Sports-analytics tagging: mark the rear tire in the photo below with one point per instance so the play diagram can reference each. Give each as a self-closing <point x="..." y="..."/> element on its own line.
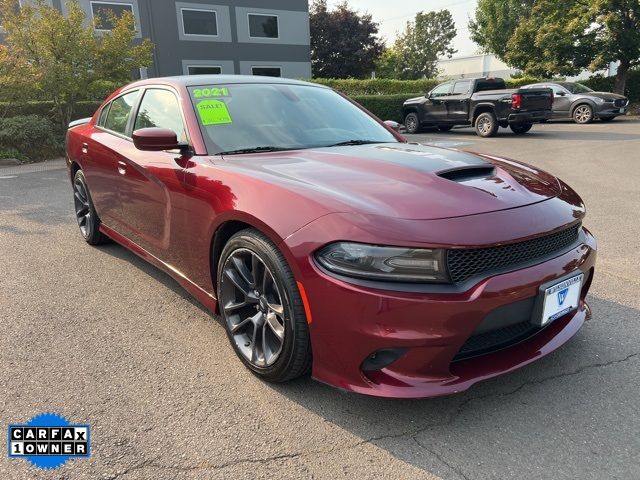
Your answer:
<point x="486" y="124"/>
<point x="520" y="128"/>
<point x="444" y="128"/>
<point x="86" y="215"/>
<point x="262" y="309"/>
<point x="412" y="123"/>
<point x="606" y="119"/>
<point x="583" y="114"/>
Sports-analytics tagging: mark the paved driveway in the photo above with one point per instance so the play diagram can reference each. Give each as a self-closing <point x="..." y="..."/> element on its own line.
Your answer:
<point x="103" y="338"/>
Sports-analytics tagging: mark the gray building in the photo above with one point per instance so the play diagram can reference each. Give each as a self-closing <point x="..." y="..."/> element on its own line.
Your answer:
<point x="249" y="37"/>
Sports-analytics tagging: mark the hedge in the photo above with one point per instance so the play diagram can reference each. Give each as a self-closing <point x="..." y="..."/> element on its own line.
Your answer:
<point x="83" y="109"/>
<point x="382" y="86"/>
<point x="385" y="107"/>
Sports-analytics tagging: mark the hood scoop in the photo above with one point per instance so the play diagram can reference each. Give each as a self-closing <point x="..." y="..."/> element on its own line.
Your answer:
<point x="466" y="173"/>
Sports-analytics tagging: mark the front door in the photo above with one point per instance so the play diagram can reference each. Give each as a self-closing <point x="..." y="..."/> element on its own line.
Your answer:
<point x="435" y="108"/>
<point x="561" y="102"/>
<point x="151" y="183"/>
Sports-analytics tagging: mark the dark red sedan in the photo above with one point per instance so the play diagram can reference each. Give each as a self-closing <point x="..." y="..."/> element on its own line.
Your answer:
<point x="329" y="244"/>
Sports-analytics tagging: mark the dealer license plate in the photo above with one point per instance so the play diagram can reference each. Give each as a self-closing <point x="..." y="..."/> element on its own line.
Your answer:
<point x="561" y="298"/>
<point x="622" y="110"/>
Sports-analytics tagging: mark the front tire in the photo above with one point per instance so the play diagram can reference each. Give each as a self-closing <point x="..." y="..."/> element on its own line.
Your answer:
<point x="583" y="114"/>
<point x="262" y="309"/>
<point x="86" y="215"/>
<point x="486" y="124"/>
<point x="412" y="123"/>
<point x="520" y="128"/>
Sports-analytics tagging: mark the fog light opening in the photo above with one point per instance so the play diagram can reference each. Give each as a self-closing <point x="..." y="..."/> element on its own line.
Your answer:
<point x="382" y="358"/>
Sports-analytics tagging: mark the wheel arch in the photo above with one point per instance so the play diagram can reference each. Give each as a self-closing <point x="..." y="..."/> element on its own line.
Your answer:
<point x="73" y="169"/>
<point x="583" y="101"/>
<point x="482" y="108"/>
<point x="229" y="226"/>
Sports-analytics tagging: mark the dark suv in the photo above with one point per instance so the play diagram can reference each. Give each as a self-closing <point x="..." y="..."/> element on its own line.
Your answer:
<point x="485" y="103"/>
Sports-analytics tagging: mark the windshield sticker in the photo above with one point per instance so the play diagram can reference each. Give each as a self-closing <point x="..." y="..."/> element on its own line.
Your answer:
<point x="213" y="112"/>
<point x="210" y="92"/>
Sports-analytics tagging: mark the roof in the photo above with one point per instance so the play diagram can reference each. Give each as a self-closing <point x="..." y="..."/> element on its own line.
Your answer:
<point x="195" y="80"/>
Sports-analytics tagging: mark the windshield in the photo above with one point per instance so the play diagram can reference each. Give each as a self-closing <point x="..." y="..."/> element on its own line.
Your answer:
<point x="576" y="88"/>
<point x="236" y="118"/>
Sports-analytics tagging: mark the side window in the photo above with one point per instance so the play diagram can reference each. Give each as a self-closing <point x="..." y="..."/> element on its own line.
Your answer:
<point x="555" y="88"/>
<point x="461" y="88"/>
<point x="103" y="115"/>
<point x="441" y="90"/>
<point x="160" y="108"/>
<point x="120" y="112"/>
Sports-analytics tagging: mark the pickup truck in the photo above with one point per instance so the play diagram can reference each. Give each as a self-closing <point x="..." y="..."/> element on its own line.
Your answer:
<point x="485" y="103"/>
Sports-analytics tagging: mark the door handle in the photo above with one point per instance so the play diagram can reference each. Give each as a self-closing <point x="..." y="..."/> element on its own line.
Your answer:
<point x="85" y="147"/>
<point x="122" y="167"/>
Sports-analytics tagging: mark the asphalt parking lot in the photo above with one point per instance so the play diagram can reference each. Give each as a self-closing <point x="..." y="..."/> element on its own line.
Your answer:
<point x="98" y="335"/>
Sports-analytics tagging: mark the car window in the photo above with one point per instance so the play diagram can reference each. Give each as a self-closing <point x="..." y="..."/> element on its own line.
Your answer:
<point x="234" y="117"/>
<point x="440" y="90"/>
<point x="461" y="88"/>
<point x="576" y="88"/>
<point x="120" y="111"/>
<point x="103" y="115"/>
<point x="555" y="88"/>
<point x="160" y="108"/>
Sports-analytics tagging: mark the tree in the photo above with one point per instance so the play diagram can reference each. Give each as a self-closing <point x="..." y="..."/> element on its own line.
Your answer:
<point x="416" y="51"/>
<point x="62" y="56"/>
<point x="555" y="37"/>
<point x="344" y="43"/>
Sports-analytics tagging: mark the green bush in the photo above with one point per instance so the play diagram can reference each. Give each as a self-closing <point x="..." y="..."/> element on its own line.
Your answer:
<point x="385" y="107"/>
<point x="32" y="136"/>
<point x="605" y="84"/>
<point x="378" y="86"/>
<point x="45" y="109"/>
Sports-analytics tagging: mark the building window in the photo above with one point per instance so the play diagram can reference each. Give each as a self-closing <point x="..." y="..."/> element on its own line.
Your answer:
<point x="104" y="12"/>
<point x="204" y="70"/>
<point x="266" y="71"/>
<point x="199" y="22"/>
<point x="263" y="26"/>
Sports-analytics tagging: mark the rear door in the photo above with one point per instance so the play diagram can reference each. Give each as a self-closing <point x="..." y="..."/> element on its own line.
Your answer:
<point x="151" y="185"/>
<point x="102" y="157"/>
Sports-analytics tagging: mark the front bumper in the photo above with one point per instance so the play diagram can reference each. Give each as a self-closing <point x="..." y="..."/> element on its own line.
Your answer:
<point x="608" y="109"/>
<point x="530" y="117"/>
<point x="351" y="322"/>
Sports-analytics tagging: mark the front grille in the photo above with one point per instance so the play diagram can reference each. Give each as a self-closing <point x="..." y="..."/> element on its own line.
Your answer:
<point x="496" y="339"/>
<point x="620" y="102"/>
<point x="466" y="263"/>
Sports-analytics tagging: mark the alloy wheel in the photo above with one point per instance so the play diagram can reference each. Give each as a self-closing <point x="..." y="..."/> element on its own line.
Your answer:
<point x="82" y="207"/>
<point x="253" y="307"/>
<point x="484" y="125"/>
<point x="411" y="124"/>
<point x="582" y="114"/>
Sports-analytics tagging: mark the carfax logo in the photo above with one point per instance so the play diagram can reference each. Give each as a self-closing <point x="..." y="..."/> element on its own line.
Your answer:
<point x="48" y="440"/>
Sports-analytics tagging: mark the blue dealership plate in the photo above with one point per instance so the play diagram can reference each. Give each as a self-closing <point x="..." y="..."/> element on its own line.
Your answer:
<point x="48" y="440"/>
<point x="561" y="298"/>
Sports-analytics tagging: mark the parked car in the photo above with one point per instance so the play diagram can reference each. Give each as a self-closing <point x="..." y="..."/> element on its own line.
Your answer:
<point x="484" y="103"/>
<point x="580" y="103"/>
<point x="328" y="243"/>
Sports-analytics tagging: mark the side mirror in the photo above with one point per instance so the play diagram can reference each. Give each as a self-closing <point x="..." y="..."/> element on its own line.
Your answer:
<point x="156" y="139"/>
<point x="560" y="94"/>
<point x="395" y="126"/>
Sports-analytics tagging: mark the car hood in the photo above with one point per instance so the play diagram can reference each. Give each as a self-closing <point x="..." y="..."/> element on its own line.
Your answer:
<point x="604" y="95"/>
<point x="402" y="180"/>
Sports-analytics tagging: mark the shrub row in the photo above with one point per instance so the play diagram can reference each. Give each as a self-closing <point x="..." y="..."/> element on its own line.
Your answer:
<point x="29" y="137"/>
<point x="45" y="109"/>
<point x="385" y="107"/>
<point x="382" y="86"/>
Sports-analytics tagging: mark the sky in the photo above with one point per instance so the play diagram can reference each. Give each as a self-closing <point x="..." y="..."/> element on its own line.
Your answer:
<point x="392" y="17"/>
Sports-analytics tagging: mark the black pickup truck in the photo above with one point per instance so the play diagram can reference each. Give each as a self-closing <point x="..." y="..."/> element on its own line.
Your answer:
<point x="484" y="103"/>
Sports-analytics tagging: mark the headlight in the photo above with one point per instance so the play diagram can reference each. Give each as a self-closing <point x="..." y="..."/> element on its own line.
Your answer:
<point x="395" y="264"/>
<point x="599" y="100"/>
